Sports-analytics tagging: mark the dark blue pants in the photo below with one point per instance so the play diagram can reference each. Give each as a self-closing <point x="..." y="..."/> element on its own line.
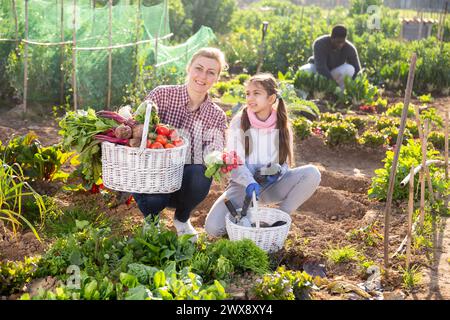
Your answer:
<point x="194" y="189"/>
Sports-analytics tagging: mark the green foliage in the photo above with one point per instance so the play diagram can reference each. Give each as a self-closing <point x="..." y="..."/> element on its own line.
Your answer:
<point x="426" y="98"/>
<point x="433" y="117"/>
<point x="214" y="14"/>
<point x="15" y="274"/>
<point x="340" y="133"/>
<point x="357" y="91"/>
<point x="369" y="235"/>
<point x="372" y="139"/>
<point x="341" y="255"/>
<point x="302" y="127"/>
<point x="437" y="139"/>
<point x="410" y="155"/>
<point x="391" y="135"/>
<point x="397" y="109"/>
<point x="315" y="85"/>
<point x="358" y="122"/>
<point x="411" y="277"/>
<point x="360" y="6"/>
<point x="222" y="257"/>
<point x="331" y="117"/>
<point x="285" y="285"/>
<point x="36" y="161"/>
<point x="13" y="188"/>
<point x="78" y="130"/>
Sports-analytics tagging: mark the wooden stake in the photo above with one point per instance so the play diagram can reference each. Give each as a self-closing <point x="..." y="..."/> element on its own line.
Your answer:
<point x="108" y="102"/>
<point x="410" y="214"/>
<point x="446" y="145"/>
<point x="138" y="35"/>
<point x="16" y="25"/>
<point x="387" y="214"/>
<point x="427" y="170"/>
<point x="61" y="61"/>
<point x="156" y="47"/>
<point x="422" y="175"/>
<point x="74" y="56"/>
<point x="25" y="57"/>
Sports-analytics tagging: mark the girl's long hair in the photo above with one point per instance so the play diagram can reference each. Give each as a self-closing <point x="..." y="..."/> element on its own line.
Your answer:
<point x="269" y="84"/>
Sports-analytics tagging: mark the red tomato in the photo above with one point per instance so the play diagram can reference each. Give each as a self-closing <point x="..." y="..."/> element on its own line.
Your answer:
<point x="161" y="139"/>
<point x="169" y="146"/>
<point x="223" y="170"/>
<point x="149" y="143"/>
<point x="162" y="130"/>
<point x="174" y="135"/>
<point x="230" y="167"/>
<point x="178" y="142"/>
<point x="157" y="145"/>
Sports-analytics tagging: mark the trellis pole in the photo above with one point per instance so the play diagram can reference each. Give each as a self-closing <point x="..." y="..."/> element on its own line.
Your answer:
<point x="25" y="67"/>
<point x="410" y="214"/>
<point x="387" y="214"/>
<point x="74" y="56"/>
<point x="446" y="145"/>
<point x="138" y="25"/>
<point x="16" y="25"/>
<point x="61" y="61"/>
<point x="422" y="175"/>
<point x="108" y="102"/>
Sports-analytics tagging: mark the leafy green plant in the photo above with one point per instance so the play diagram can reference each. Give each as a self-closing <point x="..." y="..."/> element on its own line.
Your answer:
<point x="358" y="91"/>
<point x="369" y="234"/>
<point x="36" y="161"/>
<point x="432" y="115"/>
<point x="13" y="188"/>
<point x="331" y="117"/>
<point x="397" y="109"/>
<point x="340" y="133"/>
<point x="426" y="98"/>
<point x="15" y="274"/>
<point x="358" y="122"/>
<point x="285" y="285"/>
<point x="78" y="130"/>
<point x="437" y="139"/>
<point x="372" y="139"/>
<point x="411" y="277"/>
<point x="302" y="127"/>
<point x="341" y="254"/>
<point x="410" y="155"/>
<point x="219" y="259"/>
<point x="391" y="134"/>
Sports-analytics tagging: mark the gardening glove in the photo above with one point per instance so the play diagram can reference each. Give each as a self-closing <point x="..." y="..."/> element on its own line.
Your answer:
<point x="253" y="187"/>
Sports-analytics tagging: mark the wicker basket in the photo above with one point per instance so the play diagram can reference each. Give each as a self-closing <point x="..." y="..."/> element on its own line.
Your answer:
<point x="269" y="239"/>
<point x="143" y="170"/>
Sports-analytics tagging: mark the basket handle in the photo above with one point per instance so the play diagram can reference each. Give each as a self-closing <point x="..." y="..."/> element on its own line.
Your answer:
<point x="255" y="208"/>
<point x="148" y="112"/>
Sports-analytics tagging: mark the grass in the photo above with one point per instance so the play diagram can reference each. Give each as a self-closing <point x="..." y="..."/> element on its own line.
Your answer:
<point x="341" y="255"/>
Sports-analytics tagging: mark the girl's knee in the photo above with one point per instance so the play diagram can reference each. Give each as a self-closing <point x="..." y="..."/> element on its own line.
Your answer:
<point x="313" y="175"/>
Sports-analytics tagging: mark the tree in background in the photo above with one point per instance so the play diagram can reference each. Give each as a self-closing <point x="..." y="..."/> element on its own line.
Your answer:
<point x="360" y="6"/>
<point x="215" y="14"/>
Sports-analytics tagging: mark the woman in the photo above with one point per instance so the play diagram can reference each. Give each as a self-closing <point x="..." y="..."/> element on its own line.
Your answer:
<point x="267" y="153"/>
<point x="190" y="109"/>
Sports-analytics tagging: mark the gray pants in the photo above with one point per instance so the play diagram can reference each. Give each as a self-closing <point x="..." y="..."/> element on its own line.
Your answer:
<point x="291" y="191"/>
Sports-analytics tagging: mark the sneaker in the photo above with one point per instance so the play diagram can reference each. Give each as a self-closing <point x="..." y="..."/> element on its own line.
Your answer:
<point x="185" y="228"/>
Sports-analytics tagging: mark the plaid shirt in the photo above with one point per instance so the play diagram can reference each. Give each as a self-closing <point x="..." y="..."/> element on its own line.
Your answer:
<point x="205" y="127"/>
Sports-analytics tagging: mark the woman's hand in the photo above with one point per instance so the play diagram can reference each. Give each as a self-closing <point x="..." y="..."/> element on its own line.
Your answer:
<point x="253" y="187"/>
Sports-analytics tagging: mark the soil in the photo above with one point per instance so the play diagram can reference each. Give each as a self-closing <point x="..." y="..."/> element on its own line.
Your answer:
<point x="338" y="207"/>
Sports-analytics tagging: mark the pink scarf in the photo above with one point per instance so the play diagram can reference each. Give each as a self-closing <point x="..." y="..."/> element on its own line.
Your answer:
<point x="270" y="123"/>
